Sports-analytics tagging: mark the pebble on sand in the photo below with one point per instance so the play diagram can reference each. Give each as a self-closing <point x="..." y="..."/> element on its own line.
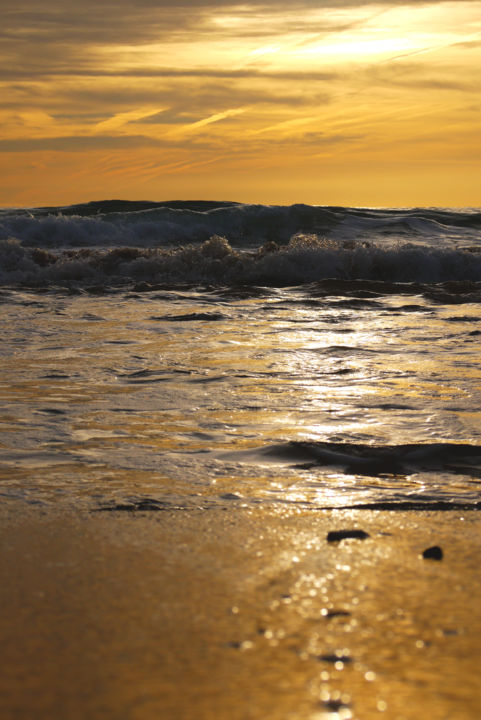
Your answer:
<point x="337" y="535"/>
<point x="433" y="553"/>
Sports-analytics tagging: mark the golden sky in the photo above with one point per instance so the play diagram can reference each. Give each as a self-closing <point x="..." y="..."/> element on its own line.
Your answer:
<point x="327" y="102"/>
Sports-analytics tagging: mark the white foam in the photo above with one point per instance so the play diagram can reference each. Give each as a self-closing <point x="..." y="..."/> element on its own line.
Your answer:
<point x="305" y="259"/>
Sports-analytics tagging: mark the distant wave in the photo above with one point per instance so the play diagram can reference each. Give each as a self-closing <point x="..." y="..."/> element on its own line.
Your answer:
<point x="143" y="224"/>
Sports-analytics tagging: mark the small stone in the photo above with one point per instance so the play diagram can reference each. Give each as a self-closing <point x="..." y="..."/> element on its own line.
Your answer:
<point x="335" y="658"/>
<point x="448" y="632"/>
<point x="433" y="553"/>
<point x="334" y="705"/>
<point x="337" y="535"/>
<point x="336" y="613"/>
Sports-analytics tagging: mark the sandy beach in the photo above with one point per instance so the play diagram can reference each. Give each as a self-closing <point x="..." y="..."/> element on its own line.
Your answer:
<point x="247" y="614"/>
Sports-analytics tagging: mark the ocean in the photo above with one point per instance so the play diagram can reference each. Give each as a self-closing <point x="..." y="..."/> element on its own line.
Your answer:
<point x="190" y="355"/>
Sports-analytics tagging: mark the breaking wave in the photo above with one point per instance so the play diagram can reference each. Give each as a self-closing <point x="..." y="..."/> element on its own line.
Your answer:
<point x="144" y="224"/>
<point x="304" y="259"/>
<point x="121" y="242"/>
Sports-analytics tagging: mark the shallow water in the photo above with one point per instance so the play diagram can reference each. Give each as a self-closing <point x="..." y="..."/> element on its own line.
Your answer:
<point x="327" y="394"/>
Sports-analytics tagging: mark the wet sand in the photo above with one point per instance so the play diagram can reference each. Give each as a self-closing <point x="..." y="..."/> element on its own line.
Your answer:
<point x="238" y="614"/>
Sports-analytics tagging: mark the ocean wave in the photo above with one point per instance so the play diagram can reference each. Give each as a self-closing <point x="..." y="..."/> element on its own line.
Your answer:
<point x="305" y="259"/>
<point x="161" y="225"/>
<point x="148" y="225"/>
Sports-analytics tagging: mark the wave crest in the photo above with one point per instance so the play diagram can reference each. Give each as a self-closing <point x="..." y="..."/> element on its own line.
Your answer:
<point x="142" y="224"/>
<point x="305" y="259"/>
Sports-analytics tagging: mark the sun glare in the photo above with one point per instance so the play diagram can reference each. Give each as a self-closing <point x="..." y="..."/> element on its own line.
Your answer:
<point x="360" y="49"/>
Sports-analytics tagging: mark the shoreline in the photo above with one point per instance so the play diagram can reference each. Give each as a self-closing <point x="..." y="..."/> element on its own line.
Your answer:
<point x="245" y="614"/>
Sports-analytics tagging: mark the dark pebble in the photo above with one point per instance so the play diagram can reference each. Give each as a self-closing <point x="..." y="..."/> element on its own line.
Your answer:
<point x="334" y="705"/>
<point x="335" y="658"/>
<point x="336" y="535"/>
<point x="433" y="553"/>
<point x="337" y="613"/>
<point x="448" y="632"/>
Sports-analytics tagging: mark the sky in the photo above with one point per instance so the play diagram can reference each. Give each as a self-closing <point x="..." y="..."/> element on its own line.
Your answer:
<point x="326" y="102"/>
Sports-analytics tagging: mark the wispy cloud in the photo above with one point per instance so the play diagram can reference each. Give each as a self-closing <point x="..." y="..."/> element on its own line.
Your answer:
<point x="121" y="119"/>
<point x="74" y="143"/>
<point x="217" y="117"/>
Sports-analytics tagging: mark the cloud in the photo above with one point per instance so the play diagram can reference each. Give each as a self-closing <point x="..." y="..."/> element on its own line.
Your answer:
<point x="198" y="143"/>
<point x="119" y="120"/>
<point x="67" y="37"/>
<point x="11" y="74"/>
<point x="189" y="99"/>
<point x="415" y="75"/>
<point x="74" y="143"/>
<point x="217" y="117"/>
